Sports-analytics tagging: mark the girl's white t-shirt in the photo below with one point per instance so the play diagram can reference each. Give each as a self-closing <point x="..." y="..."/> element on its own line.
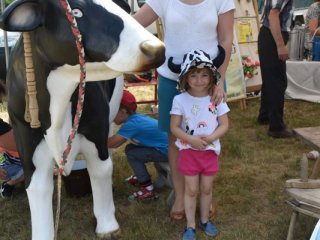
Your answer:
<point x="199" y="117"/>
<point x="187" y="27"/>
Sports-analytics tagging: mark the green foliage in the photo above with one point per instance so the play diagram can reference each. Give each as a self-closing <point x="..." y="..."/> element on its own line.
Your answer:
<point x="6" y="3"/>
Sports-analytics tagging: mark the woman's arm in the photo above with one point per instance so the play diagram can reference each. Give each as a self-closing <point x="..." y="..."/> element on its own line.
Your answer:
<point x="225" y="38"/>
<point x="145" y="15"/>
<point x="195" y="141"/>
<point x="220" y="130"/>
<point x="313" y="26"/>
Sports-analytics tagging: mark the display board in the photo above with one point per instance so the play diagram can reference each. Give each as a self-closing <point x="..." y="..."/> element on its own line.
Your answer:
<point x="247" y="26"/>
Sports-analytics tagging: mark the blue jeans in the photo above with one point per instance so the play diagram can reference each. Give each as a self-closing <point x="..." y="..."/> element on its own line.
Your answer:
<point x="13" y="171"/>
<point x="167" y="90"/>
<point x="138" y="156"/>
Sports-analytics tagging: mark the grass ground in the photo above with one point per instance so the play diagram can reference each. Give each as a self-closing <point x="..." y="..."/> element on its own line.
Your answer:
<point x="249" y="192"/>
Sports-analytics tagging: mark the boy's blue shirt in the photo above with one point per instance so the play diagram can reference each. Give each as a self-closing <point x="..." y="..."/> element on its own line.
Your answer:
<point x="143" y="130"/>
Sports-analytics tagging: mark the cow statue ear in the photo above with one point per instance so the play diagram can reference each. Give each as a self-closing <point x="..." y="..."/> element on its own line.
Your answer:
<point x="21" y="16"/>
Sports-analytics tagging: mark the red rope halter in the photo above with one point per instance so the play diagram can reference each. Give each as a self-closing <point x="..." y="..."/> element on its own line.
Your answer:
<point x="77" y="35"/>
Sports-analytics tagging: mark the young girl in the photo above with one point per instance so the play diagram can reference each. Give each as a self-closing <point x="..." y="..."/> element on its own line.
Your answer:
<point x="198" y="124"/>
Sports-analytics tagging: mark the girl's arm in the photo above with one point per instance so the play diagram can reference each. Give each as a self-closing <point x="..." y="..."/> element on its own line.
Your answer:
<point x="220" y="130"/>
<point x="145" y="15"/>
<point x="195" y="141"/>
<point x="225" y="37"/>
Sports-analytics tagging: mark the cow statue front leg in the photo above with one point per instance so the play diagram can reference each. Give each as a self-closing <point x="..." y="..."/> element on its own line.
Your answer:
<point x="100" y="173"/>
<point x="40" y="192"/>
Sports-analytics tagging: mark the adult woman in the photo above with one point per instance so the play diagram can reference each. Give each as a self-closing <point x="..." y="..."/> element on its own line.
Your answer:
<point x="312" y="26"/>
<point x="188" y="24"/>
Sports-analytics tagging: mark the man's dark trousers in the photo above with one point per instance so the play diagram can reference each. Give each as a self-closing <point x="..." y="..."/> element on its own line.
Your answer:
<point x="274" y="80"/>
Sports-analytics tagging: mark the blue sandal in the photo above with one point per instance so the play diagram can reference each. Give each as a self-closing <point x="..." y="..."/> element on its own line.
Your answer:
<point x="209" y="228"/>
<point x="189" y="234"/>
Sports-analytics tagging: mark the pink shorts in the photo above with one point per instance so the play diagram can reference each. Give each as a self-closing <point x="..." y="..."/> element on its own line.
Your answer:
<point x="193" y="162"/>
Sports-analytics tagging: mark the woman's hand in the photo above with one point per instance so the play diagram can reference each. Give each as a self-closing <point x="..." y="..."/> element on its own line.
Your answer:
<point x="218" y="95"/>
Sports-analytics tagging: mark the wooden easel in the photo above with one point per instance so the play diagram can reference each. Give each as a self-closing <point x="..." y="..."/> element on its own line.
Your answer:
<point x="249" y="11"/>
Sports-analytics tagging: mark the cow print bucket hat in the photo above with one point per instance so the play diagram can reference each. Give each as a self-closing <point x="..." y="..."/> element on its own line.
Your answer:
<point x="198" y="59"/>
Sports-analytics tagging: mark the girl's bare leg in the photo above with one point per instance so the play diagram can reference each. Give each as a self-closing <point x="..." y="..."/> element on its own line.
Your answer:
<point x="206" y="183"/>
<point x="190" y="199"/>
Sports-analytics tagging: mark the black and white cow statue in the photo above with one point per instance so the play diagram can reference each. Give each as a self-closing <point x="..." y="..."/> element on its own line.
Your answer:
<point x="114" y="43"/>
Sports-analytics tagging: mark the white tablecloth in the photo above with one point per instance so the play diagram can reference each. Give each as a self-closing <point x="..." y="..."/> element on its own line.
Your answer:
<point x="303" y="81"/>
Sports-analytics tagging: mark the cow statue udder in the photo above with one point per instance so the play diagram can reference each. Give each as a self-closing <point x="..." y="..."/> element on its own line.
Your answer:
<point x="114" y="43"/>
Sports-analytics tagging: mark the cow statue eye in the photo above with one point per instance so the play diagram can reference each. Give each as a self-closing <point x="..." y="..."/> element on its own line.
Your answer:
<point x="77" y="13"/>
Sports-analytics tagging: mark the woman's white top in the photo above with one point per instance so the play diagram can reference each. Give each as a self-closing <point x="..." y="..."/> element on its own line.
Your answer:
<point x="188" y="27"/>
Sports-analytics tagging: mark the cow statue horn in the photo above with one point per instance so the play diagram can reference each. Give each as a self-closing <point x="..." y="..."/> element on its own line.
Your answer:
<point x="218" y="61"/>
<point x="176" y="68"/>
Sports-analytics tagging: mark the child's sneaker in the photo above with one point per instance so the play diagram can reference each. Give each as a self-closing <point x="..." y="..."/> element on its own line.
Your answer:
<point x="133" y="180"/>
<point x="189" y="234"/>
<point x="144" y="194"/>
<point x="209" y="228"/>
<point x="6" y="190"/>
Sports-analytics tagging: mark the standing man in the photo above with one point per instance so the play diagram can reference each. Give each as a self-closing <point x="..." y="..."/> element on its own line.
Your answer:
<point x="273" y="53"/>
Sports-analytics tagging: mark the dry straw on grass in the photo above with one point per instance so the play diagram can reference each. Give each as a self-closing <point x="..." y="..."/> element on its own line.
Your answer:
<point x="249" y="192"/>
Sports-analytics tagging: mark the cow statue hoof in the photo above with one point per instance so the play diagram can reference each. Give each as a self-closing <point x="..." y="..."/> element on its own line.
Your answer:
<point x="116" y="235"/>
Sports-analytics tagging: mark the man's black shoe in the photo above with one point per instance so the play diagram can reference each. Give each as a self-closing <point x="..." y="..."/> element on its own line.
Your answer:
<point x="281" y="134"/>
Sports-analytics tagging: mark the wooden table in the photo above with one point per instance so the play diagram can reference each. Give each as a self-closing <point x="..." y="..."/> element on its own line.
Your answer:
<point x="309" y="135"/>
<point x="305" y="201"/>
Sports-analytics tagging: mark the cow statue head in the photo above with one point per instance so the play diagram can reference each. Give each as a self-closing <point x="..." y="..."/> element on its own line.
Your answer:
<point x="113" y="43"/>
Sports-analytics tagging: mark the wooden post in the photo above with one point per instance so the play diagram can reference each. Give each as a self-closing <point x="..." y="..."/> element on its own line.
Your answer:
<point x="316" y="170"/>
<point x="304" y="168"/>
<point x="292" y="225"/>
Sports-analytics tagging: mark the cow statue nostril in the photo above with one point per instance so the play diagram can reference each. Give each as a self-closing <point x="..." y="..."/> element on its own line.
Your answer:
<point x="154" y="51"/>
